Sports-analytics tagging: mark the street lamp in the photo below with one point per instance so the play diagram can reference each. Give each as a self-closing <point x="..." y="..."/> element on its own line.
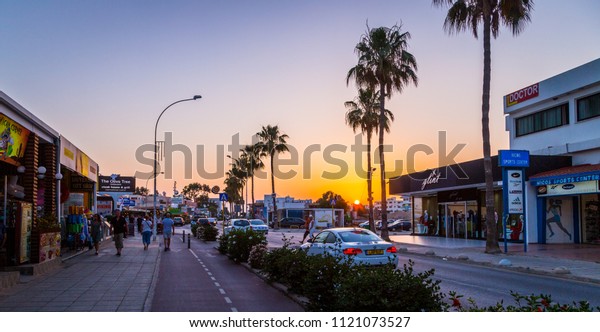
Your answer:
<point x="155" y="160"/>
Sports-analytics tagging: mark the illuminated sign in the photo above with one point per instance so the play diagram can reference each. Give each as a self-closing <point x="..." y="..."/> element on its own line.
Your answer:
<point x="13" y="140"/>
<point x="522" y="95"/>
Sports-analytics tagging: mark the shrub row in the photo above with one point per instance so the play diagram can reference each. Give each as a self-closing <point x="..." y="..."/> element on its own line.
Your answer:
<point x="237" y="243"/>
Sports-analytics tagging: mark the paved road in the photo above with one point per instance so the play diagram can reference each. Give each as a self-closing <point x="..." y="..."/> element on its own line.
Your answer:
<point x="490" y="285"/>
<point x="201" y="279"/>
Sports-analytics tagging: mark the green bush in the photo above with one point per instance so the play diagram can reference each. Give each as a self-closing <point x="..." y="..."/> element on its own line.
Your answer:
<point x="208" y="232"/>
<point x="387" y="290"/>
<point x="523" y="303"/>
<point x="257" y="256"/>
<point x="194" y="229"/>
<point x="238" y="243"/>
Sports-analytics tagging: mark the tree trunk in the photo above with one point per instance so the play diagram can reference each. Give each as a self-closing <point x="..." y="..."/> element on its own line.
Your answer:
<point x="384" y="230"/>
<point x="491" y="244"/>
<point x="370" y="183"/>
<point x="252" y="208"/>
<point x="275" y="219"/>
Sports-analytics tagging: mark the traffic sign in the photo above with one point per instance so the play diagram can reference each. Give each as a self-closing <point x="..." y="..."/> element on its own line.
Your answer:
<point x="223" y="197"/>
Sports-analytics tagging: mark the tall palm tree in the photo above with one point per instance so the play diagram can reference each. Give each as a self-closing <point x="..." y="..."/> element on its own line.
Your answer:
<point x="467" y="15"/>
<point x="271" y="143"/>
<point x="384" y="64"/>
<point x="363" y="114"/>
<point x="254" y="157"/>
<point x="234" y="183"/>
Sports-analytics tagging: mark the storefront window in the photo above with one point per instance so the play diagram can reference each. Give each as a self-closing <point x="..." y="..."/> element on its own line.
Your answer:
<point x="590" y="205"/>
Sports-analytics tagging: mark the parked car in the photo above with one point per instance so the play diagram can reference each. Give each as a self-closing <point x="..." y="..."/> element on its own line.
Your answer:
<point x="362" y="245"/>
<point x="237" y="224"/>
<point x="258" y="225"/>
<point x="178" y="221"/>
<point x="405" y="225"/>
<point x="290" y="222"/>
<point x="212" y="221"/>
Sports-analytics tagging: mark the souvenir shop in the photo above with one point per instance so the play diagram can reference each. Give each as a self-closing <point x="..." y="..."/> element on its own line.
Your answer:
<point x="29" y="177"/>
<point x="450" y="201"/>
<point x="77" y="195"/>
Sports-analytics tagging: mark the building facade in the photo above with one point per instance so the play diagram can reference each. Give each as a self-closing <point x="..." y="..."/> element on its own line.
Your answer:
<point x="560" y="116"/>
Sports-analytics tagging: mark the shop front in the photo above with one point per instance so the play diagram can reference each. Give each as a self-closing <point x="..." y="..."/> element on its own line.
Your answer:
<point x="568" y="204"/>
<point x="450" y="201"/>
<point x="77" y="194"/>
<point x="29" y="179"/>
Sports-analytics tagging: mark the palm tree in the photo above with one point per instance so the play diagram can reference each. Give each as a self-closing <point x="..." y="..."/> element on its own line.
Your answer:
<point x="254" y="157"/>
<point x="363" y="114"/>
<point x="467" y="15"/>
<point x="234" y="182"/>
<point x="271" y="143"/>
<point x="384" y="64"/>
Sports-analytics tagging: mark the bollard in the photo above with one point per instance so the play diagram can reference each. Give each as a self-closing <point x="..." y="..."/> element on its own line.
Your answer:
<point x="189" y="241"/>
<point x="184" y="236"/>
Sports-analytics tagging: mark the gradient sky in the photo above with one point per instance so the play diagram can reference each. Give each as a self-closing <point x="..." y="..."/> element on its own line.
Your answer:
<point x="100" y="73"/>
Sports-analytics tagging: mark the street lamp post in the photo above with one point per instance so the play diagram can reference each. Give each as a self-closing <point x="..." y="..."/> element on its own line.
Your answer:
<point x="155" y="161"/>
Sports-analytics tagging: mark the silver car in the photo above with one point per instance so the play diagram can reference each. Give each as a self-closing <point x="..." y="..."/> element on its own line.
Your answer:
<point x="361" y="245"/>
<point x="258" y="225"/>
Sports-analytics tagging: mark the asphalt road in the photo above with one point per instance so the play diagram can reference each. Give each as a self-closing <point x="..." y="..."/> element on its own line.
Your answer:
<point x="490" y="285"/>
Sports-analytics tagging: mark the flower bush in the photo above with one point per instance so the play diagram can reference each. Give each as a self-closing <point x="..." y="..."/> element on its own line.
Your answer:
<point x="208" y="232"/>
<point x="238" y="243"/>
<point x="257" y="256"/>
<point x="523" y="303"/>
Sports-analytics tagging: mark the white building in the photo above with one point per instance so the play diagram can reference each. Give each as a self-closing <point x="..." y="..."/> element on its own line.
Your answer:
<point x="394" y="204"/>
<point x="560" y="116"/>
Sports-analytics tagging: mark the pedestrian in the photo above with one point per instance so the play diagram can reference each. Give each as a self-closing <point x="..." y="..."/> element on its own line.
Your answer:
<point x="118" y="226"/>
<point x="146" y="232"/>
<point x="96" y="231"/>
<point x="309" y="227"/>
<point x="168" y="230"/>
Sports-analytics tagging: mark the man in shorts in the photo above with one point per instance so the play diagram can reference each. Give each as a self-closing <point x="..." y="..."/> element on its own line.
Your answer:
<point x="168" y="230"/>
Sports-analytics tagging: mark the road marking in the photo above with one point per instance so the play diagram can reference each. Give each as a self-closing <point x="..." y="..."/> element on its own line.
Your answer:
<point x="217" y="284"/>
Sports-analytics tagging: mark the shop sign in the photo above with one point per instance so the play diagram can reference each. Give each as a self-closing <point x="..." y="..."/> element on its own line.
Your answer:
<point x="522" y="95"/>
<point x="13" y="140"/>
<point x="569" y="188"/>
<point x="565" y="180"/>
<point x="116" y="183"/>
<point x="515" y="191"/>
<point x="513" y="158"/>
<point x="68" y="154"/>
<point x="80" y="184"/>
<point x="434" y="177"/>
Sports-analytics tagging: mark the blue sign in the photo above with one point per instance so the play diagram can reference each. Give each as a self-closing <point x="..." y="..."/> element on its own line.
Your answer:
<point x="223" y="197"/>
<point x="564" y="179"/>
<point x="332" y="202"/>
<point x="513" y="158"/>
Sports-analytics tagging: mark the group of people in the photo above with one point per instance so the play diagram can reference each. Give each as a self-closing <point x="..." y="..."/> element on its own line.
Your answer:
<point x="119" y="229"/>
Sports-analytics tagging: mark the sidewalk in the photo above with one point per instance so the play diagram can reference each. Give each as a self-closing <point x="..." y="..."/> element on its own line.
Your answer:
<point x="86" y="282"/>
<point x="572" y="261"/>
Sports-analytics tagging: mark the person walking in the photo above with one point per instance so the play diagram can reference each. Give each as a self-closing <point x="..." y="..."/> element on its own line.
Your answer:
<point x="309" y="226"/>
<point x="168" y="230"/>
<point x="146" y="232"/>
<point x="96" y="231"/>
<point x="118" y="226"/>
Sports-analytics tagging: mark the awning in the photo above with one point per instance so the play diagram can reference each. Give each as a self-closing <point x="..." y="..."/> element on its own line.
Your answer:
<point x="571" y="174"/>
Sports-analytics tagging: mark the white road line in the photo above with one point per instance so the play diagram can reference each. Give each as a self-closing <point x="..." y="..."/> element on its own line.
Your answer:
<point x="217" y="284"/>
<point x="210" y="274"/>
<point x="193" y="253"/>
<point x="234" y="309"/>
<point x="221" y="290"/>
<point x="228" y="300"/>
<point x="213" y="279"/>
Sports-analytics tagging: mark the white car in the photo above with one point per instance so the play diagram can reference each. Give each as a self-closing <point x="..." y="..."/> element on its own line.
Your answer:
<point x="237" y="224"/>
<point x="258" y="225"/>
<point x="360" y="244"/>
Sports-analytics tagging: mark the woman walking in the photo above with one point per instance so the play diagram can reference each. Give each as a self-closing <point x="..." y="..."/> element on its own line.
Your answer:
<point x="96" y="231"/>
<point x="146" y="232"/>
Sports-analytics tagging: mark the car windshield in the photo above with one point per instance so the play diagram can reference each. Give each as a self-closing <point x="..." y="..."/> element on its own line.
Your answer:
<point x="257" y="222"/>
<point x="358" y="236"/>
<point x="241" y="223"/>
